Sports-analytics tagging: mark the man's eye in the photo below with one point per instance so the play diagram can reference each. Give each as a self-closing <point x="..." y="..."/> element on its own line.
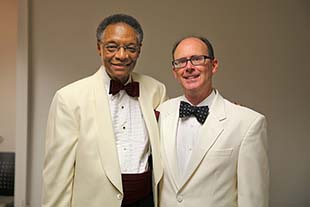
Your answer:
<point x="176" y="63"/>
<point x="111" y="47"/>
<point x="131" y="48"/>
<point x="196" y="58"/>
<point x="181" y="61"/>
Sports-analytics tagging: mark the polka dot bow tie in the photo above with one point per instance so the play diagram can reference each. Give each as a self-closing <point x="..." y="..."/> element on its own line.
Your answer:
<point x="132" y="88"/>
<point x="200" y="112"/>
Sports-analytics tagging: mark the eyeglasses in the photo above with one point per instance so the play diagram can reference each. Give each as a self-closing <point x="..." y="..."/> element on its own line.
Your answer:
<point x="113" y="48"/>
<point x="195" y="60"/>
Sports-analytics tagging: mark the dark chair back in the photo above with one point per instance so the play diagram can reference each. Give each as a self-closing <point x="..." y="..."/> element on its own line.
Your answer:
<point x="7" y="171"/>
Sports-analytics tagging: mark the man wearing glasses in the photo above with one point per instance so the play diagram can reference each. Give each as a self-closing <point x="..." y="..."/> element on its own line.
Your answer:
<point x="214" y="152"/>
<point x="102" y="130"/>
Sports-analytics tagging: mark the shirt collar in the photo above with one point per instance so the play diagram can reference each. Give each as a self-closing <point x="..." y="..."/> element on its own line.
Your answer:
<point x="206" y="102"/>
<point x="106" y="78"/>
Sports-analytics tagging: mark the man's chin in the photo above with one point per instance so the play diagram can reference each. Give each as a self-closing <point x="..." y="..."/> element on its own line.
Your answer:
<point x="120" y="67"/>
<point x="119" y="72"/>
<point x="121" y="75"/>
<point x="190" y="82"/>
<point x="190" y="85"/>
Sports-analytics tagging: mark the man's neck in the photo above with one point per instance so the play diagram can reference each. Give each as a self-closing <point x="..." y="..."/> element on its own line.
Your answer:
<point x="123" y="80"/>
<point x="196" y="98"/>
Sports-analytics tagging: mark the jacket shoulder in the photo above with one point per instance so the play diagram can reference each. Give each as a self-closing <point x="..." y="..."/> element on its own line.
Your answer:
<point x="76" y="91"/>
<point x="169" y="105"/>
<point x="241" y="112"/>
<point x="77" y="85"/>
<point x="151" y="88"/>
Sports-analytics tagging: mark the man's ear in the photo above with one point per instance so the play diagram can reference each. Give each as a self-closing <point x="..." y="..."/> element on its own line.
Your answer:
<point x="140" y="48"/>
<point x="215" y="66"/>
<point x="98" y="49"/>
<point x="174" y="73"/>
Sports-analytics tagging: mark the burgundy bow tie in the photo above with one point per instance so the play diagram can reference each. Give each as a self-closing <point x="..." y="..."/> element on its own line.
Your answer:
<point x="132" y="88"/>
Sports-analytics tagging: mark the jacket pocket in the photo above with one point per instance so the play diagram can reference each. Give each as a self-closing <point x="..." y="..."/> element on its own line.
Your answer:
<point x="220" y="153"/>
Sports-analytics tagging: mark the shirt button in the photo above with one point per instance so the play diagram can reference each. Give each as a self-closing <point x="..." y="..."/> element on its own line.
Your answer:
<point x="179" y="199"/>
<point x="124" y="127"/>
<point x="119" y="196"/>
<point x="122" y="107"/>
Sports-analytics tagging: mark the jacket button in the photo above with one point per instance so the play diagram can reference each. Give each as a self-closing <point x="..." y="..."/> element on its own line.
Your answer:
<point x="179" y="199"/>
<point x="119" y="196"/>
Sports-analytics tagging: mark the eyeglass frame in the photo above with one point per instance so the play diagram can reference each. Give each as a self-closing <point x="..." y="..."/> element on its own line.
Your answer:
<point x="191" y="60"/>
<point x="118" y="47"/>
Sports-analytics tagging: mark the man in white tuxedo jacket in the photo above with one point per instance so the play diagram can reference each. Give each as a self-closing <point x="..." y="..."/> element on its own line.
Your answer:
<point x="214" y="152"/>
<point x="102" y="130"/>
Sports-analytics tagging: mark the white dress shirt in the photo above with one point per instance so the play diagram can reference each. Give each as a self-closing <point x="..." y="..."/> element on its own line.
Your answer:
<point x="187" y="135"/>
<point x="131" y="135"/>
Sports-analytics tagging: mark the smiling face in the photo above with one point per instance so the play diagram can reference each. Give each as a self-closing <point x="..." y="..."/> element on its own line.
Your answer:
<point x="119" y="62"/>
<point x="196" y="81"/>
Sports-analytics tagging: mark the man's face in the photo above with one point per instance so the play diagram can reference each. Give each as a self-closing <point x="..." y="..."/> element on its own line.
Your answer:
<point x="194" y="79"/>
<point x="119" y="50"/>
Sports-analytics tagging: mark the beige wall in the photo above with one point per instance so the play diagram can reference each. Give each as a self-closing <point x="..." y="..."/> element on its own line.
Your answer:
<point x="8" y="35"/>
<point x="263" y="51"/>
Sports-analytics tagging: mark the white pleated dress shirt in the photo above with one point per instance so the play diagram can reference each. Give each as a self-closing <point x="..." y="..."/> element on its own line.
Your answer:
<point x="187" y="135"/>
<point x="131" y="135"/>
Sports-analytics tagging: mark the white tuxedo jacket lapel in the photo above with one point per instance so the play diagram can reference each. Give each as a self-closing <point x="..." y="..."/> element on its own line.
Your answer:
<point x="148" y="113"/>
<point x="169" y="144"/>
<point x="106" y="142"/>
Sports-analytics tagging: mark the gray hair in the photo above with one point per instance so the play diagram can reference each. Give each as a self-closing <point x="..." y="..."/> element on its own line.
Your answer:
<point x="120" y="18"/>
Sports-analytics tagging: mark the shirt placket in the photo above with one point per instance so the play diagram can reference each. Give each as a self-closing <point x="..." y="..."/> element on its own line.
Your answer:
<point x="124" y="131"/>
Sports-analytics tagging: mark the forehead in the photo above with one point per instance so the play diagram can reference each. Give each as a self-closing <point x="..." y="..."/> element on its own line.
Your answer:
<point x="119" y="32"/>
<point x="189" y="47"/>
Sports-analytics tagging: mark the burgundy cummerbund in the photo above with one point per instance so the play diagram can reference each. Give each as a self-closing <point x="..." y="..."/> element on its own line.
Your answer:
<point x="136" y="186"/>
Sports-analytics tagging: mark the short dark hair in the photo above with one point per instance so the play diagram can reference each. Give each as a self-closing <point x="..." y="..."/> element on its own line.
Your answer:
<point x="203" y="39"/>
<point x="120" y="18"/>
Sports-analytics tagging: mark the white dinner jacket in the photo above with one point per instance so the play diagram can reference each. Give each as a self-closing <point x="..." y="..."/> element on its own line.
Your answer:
<point x="81" y="167"/>
<point x="229" y="166"/>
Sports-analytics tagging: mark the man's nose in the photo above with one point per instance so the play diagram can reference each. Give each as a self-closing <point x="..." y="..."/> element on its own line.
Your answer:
<point x="121" y="53"/>
<point x="189" y="66"/>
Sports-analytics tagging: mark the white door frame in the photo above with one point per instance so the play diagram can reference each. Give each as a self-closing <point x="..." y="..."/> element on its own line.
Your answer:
<point x="22" y="64"/>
